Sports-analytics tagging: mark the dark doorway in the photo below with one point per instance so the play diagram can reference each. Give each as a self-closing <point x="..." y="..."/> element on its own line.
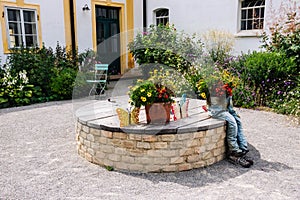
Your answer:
<point x="108" y="38"/>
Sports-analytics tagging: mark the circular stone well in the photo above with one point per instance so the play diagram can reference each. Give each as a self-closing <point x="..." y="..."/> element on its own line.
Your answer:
<point x="192" y="142"/>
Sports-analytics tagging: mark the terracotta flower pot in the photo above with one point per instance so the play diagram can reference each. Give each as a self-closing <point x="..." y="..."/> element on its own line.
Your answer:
<point x="158" y="113"/>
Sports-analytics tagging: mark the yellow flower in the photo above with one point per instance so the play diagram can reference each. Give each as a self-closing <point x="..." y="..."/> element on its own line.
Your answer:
<point x="143" y="99"/>
<point x="142" y="90"/>
<point x="149" y="94"/>
<point x="203" y="95"/>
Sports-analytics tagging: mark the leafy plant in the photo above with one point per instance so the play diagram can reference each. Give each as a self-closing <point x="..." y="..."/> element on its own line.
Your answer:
<point x="218" y="44"/>
<point x="283" y="34"/>
<point x="145" y="92"/>
<point x="164" y="45"/>
<point x="173" y="80"/>
<point x="63" y="83"/>
<point x="52" y="72"/>
<point x="15" y="90"/>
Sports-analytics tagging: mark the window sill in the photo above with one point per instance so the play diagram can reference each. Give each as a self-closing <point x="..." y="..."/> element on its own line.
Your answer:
<point x="249" y="33"/>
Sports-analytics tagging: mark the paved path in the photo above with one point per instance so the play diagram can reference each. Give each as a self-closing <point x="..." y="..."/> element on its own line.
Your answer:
<point x="38" y="160"/>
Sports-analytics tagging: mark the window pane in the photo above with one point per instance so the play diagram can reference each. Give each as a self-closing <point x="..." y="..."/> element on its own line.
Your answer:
<point x="13" y="15"/>
<point x="113" y="14"/>
<point x="100" y="32"/>
<point x="262" y="14"/>
<point x="261" y="24"/>
<point x="256" y="24"/>
<point x="102" y="13"/>
<point x="244" y="14"/>
<point x="256" y="13"/>
<point x="29" y="16"/>
<point x="250" y="14"/>
<point x="166" y="20"/>
<point x="251" y="3"/>
<point x="243" y="25"/>
<point x="31" y="41"/>
<point x="30" y="29"/>
<point x="15" y="28"/>
<point x="162" y="13"/>
<point x="249" y="25"/>
<point x="15" y="40"/>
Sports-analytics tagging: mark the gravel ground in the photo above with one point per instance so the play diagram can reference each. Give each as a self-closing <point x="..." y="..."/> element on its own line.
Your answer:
<point x="38" y="160"/>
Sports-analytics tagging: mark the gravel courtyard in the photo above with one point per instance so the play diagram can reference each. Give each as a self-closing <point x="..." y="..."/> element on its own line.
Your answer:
<point x="38" y="160"/>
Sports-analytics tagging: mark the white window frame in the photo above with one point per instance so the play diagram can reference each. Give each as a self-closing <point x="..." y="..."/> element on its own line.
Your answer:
<point x="254" y="18"/>
<point x="161" y="18"/>
<point x="23" y="34"/>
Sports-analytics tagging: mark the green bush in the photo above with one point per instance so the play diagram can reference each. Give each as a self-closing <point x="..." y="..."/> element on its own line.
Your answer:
<point x="266" y="78"/>
<point x="15" y="90"/>
<point x="62" y="83"/>
<point x="288" y="101"/>
<point x="38" y="64"/>
<point x="51" y="72"/>
<point x="163" y="45"/>
<point x="284" y="32"/>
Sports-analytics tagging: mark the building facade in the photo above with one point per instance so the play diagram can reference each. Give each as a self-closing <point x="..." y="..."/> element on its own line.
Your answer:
<point x="85" y="24"/>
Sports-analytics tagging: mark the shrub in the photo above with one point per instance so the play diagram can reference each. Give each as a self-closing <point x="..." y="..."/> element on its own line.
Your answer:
<point x="164" y="45"/>
<point x="15" y="90"/>
<point x="52" y="72"/>
<point x="288" y="102"/>
<point x="284" y="31"/>
<point x="218" y="44"/>
<point x="62" y="83"/>
<point x="264" y="76"/>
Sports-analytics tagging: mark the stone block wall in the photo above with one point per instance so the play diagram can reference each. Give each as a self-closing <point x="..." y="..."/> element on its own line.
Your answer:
<point x="151" y="153"/>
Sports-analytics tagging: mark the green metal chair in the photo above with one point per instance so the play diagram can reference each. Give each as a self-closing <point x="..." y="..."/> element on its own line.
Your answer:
<point x="100" y="80"/>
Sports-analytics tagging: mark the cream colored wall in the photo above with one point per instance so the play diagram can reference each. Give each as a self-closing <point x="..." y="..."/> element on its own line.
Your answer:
<point x="199" y="16"/>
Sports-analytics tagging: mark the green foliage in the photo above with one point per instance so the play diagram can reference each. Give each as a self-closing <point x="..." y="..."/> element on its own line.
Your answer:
<point x="142" y="93"/>
<point x="173" y="80"/>
<point x="218" y="44"/>
<point x="51" y="72"/>
<point x="146" y="92"/>
<point x="284" y="31"/>
<point x="288" y="101"/>
<point x="163" y="45"/>
<point x="63" y="82"/>
<point x="265" y="78"/>
<point x="81" y="87"/>
<point x="109" y="168"/>
<point x="38" y="64"/>
<point x="15" y="90"/>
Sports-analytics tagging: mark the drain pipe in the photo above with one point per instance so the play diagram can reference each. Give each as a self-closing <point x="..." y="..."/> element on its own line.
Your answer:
<point x="144" y="14"/>
<point x="72" y="19"/>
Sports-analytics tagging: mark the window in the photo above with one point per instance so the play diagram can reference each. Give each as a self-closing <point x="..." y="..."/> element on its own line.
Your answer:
<point x="162" y="16"/>
<point x="21" y="27"/>
<point x="252" y="14"/>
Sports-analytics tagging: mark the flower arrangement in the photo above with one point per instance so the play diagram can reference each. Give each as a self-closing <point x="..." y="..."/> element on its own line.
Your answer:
<point x="218" y="84"/>
<point x="146" y="92"/>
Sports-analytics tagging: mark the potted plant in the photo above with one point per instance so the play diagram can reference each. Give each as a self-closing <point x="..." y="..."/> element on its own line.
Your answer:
<point x="156" y="98"/>
<point x="216" y="87"/>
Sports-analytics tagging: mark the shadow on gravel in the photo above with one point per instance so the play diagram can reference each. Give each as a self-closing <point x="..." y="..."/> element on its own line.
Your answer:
<point x="215" y="173"/>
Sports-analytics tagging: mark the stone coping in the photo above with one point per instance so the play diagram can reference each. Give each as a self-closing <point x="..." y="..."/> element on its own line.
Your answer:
<point x="102" y="115"/>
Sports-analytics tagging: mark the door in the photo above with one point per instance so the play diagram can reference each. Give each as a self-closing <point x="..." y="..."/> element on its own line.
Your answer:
<point x="108" y="38"/>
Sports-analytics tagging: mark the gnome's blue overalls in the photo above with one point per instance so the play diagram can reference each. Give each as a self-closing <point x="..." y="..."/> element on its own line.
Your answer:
<point x="222" y="108"/>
